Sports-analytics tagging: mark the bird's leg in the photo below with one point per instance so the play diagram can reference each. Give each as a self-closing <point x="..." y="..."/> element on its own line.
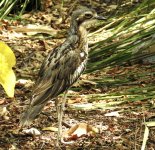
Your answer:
<point x="59" y="114"/>
<point x="64" y="101"/>
<point x="60" y="109"/>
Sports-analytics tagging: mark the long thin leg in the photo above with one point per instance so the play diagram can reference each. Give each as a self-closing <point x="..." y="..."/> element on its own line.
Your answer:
<point x="60" y="109"/>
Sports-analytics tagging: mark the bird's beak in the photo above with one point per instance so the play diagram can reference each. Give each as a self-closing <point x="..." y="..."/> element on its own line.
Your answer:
<point x="100" y="17"/>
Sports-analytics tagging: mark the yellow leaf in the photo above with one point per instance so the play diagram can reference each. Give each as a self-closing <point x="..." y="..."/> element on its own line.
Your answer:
<point x="50" y="129"/>
<point x="7" y="76"/>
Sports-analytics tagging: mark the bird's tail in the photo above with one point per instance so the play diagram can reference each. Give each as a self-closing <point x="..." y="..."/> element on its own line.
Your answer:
<point x="30" y="114"/>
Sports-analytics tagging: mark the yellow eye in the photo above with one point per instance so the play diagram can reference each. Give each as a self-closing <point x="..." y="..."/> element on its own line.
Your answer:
<point x="88" y="15"/>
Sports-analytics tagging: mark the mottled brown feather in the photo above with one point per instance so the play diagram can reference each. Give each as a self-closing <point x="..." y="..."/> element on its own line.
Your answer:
<point x="61" y="68"/>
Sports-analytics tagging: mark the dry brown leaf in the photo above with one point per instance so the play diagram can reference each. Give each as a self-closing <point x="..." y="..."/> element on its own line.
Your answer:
<point x="2" y="101"/>
<point x="77" y="100"/>
<point x="32" y="29"/>
<point x="3" y="111"/>
<point x="79" y="130"/>
<point x="54" y="129"/>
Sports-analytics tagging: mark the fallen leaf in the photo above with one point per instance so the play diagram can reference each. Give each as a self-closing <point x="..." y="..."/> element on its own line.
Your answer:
<point x="4" y="113"/>
<point x="77" y="100"/>
<point x="26" y="83"/>
<point x="112" y="114"/>
<point x="82" y="106"/>
<point x="7" y="76"/>
<point x="113" y="6"/>
<point x="50" y="129"/>
<point x="2" y="101"/>
<point x="32" y="131"/>
<point x="32" y="29"/>
<point x="79" y="130"/>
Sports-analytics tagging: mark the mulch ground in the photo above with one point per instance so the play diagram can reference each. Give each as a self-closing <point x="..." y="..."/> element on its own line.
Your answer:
<point x="123" y="132"/>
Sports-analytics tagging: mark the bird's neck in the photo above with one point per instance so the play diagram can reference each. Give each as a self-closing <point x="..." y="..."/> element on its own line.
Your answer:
<point x="73" y="30"/>
<point x="83" y="35"/>
<point x="78" y="30"/>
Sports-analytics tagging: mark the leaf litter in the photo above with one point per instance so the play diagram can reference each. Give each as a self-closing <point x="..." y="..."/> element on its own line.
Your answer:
<point x="117" y="118"/>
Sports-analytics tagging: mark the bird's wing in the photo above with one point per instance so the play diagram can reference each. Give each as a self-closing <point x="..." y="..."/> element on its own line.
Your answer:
<point x="58" y="72"/>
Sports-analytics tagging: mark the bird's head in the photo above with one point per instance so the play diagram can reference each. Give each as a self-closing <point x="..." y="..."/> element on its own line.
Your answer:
<point x="84" y="15"/>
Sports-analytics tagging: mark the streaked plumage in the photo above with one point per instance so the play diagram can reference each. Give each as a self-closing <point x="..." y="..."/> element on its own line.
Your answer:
<point x="62" y="67"/>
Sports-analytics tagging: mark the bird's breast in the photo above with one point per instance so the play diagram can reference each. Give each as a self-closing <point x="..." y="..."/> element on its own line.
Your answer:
<point x="80" y="68"/>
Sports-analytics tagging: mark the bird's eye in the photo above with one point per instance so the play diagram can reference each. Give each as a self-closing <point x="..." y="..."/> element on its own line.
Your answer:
<point x="88" y="15"/>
